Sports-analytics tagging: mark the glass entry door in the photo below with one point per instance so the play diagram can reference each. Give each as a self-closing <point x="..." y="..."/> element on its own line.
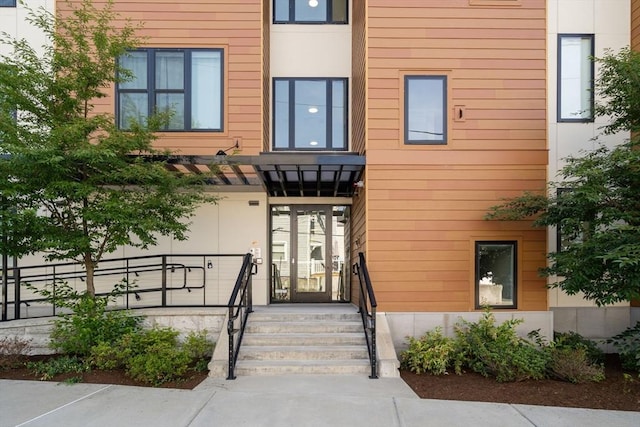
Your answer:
<point x="307" y="254"/>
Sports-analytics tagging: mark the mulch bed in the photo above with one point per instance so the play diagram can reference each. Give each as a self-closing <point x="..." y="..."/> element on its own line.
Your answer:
<point x="614" y="393"/>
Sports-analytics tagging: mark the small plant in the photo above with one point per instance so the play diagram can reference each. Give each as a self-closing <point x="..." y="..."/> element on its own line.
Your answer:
<point x="13" y="351"/>
<point x="496" y="350"/>
<point x="47" y="370"/>
<point x="432" y="353"/>
<point x="629" y="382"/>
<point x="628" y="345"/>
<point x="573" y="339"/>
<point x="573" y="365"/>
<point x="574" y="358"/>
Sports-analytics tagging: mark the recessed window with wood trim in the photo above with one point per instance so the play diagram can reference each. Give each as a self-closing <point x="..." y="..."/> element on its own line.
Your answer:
<point x="575" y="77"/>
<point x="496" y="274"/>
<point x="187" y="83"/>
<point x="425" y="109"/>
<point x="310" y="12"/>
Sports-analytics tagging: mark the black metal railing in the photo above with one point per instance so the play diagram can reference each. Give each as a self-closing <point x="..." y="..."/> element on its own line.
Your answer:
<point x="180" y="280"/>
<point x="367" y="308"/>
<point x="240" y="305"/>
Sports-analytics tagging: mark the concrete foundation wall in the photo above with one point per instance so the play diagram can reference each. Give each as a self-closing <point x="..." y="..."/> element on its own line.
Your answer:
<point x="595" y="323"/>
<point x="183" y="320"/>
<point x="416" y="324"/>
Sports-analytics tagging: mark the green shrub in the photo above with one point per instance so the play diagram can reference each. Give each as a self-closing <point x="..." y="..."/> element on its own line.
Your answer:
<point x="162" y="362"/>
<point x="627" y="343"/>
<point x="89" y="323"/>
<point x="432" y="353"/>
<point x="574" y="340"/>
<point x="154" y="356"/>
<point x="573" y="365"/>
<point x="496" y="350"/>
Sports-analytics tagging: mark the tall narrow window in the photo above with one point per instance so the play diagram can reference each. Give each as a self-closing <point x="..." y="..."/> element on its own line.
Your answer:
<point x="186" y="83"/>
<point x="310" y="12"/>
<point x="496" y="278"/>
<point x="310" y="114"/>
<point x="425" y="110"/>
<point x="575" y="77"/>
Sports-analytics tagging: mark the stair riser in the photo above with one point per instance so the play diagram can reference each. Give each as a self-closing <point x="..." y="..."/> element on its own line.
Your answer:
<point x="283" y="328"/>
<point x="300" y="354"/>
<point x="295" y="341"/>
<point x="303" y="317"/>
<point x="302" y="370"/>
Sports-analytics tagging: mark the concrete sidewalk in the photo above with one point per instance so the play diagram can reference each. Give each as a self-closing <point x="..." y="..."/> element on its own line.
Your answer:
<point x="273" y="401"/>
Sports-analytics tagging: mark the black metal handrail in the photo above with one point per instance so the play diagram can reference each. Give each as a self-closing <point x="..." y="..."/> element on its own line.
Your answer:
<point x="240" y="305"/>
<point x="367" y="308"/>
<point x="142" y="275"/>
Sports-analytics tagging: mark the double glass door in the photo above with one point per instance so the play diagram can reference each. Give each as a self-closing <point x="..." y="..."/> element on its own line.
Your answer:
<point x="307" y="254"/>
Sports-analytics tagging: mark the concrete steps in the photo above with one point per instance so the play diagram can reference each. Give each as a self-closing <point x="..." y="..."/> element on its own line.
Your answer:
<point x="304" y="340"/>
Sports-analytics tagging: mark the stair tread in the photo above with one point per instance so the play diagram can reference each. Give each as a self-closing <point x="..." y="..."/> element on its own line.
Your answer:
<point x="301" y="362"/>
<point x="304" y="347"/>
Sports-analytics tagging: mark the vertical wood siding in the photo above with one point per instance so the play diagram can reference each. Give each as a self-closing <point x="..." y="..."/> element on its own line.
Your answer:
<point x="235" y="26"/>
<point x="425" y="204"/>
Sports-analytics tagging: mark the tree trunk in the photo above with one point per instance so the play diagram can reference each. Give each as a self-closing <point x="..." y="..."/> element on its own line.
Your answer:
<point x="89" y="266"/>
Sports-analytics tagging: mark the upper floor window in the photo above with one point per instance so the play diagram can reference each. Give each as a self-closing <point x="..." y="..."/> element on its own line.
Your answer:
<point x="187" y="83"/>
<point x="425" y="109"/>
<point x="575" y="77"/>
<point x="7" y="3"/>
<point x="310" y="12"/>
<point x="310" y="113"/>
<point x="496" y="277"/>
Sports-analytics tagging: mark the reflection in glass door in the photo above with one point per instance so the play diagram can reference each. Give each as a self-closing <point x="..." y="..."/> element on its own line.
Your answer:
<point x="307" y="253"/>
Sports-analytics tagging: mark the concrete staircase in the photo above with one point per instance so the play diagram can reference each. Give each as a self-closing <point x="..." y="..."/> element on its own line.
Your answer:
<point x="303" y="339"/>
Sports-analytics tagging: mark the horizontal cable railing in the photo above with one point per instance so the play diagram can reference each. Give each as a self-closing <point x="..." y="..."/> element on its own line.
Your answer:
<point x="367" y="308"/>
<point x="150" y="281"/>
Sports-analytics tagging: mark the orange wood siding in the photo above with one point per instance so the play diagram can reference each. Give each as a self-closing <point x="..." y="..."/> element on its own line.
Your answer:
<point x="358" y="131"/>
<point x="425" y="203"/>
<point x="266" y="76"/>
<point x="635" y="24"/>
<point x="232" y="25"/>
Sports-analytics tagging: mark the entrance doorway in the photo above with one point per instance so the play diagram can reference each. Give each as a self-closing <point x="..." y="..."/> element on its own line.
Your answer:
<point x="308" y="256"/>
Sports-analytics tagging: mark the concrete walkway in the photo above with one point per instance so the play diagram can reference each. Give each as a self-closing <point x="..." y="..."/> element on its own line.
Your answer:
<point x="273" y="401"/>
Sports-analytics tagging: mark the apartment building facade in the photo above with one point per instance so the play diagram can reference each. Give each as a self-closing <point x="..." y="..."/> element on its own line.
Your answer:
<point x="375" y="126"/>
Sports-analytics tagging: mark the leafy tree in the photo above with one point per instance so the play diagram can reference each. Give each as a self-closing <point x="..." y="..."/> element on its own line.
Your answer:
<point x="596" y="202"/>
<point x="74" y="186"/>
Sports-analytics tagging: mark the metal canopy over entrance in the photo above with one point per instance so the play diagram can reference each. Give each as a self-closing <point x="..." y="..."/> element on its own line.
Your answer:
<point x="281" y="174"/>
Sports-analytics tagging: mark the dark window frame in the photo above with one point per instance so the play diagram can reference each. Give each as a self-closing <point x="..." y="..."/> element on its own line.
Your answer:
<point x="8" y="3"/>
<point x="407" y="79"/>
<point x="292" y="10"/>
<point x="477" y="275"/>
<point x="187" y="89"/>
<point x="559" y="117"/>
<point x="329" y="120"/>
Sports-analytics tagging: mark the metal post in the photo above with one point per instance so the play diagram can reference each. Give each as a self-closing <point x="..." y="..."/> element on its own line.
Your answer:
<point x="16" y="284"/>
<point x="164" y="280"/>
<point x="231" y="373"/>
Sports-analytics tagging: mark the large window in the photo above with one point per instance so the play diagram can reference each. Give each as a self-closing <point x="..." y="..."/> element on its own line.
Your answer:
<point x="310" y="12"/>
<point x="7" y="3"/>
<point x="187" y="83"/>
<point x="496" y="277"/>
<point x="310" y="114"/>
<point x="425" y="109"/>
<point x="575" y="77"/>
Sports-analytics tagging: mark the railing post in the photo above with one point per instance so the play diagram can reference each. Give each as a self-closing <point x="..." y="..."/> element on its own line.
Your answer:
<point x="231" y="374"/>
<point x="374" y="358"/>
<point x="164" y="281"/>
<point x="16" y="290"/>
